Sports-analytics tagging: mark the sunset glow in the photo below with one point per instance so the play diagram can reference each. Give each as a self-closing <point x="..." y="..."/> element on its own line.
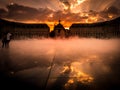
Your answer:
<point x="76" y="75"/>
<point x="68" y="11"/>
<point x="60" y="44"/>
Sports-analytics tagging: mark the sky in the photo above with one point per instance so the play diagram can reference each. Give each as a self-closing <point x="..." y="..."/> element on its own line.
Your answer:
<point x="68" y="11"/>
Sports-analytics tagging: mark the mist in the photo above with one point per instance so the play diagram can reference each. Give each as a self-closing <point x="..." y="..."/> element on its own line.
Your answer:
<point x="91" y="63"/>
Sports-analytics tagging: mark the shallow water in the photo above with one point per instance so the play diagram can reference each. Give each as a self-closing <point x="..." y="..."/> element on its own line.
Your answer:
<point x="87" y="64"/>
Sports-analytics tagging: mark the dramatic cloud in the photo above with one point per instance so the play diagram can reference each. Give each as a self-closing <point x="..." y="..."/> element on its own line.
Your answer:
<point x="69" y="11"/>
<point x="79" y="5"/>
<point x="66" y="4"/>
<point x="110" y="13"/>
<point x="117" y="4"/>
<point x="19" y="12"/>
<point x="113" y="10"/>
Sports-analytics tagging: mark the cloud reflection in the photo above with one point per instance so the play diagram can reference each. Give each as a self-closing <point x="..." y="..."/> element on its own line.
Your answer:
<point x="77" y="61"/>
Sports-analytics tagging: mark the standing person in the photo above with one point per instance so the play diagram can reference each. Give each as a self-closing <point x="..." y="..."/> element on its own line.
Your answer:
<point x="4" y="40"/>
<point x="8" y="39"/>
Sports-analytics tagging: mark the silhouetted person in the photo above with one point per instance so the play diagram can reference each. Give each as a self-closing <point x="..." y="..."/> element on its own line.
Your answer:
<point x="4" y="40"/>
<point x="8" y="38"/>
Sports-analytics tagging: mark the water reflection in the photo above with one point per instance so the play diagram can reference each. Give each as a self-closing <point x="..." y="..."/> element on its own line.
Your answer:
<point x="86" y="64"/>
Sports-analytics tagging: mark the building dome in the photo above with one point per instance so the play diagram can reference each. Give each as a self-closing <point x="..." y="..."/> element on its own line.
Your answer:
<point x="59" y="30"/>
<point x="59" y="27"/>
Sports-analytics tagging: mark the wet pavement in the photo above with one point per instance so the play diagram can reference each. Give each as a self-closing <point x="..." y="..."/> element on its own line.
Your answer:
<point x="60" y="65"/>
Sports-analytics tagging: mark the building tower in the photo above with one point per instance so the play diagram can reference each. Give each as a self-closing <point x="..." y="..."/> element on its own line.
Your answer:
<point x="59" y="30"/>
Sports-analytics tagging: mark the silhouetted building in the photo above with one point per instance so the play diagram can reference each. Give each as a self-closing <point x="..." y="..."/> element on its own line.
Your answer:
<point x="22" y="30"/>
<point x="107" y="29"/>
<point x="59" y="30"/>
<point x="98" y="30"/>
